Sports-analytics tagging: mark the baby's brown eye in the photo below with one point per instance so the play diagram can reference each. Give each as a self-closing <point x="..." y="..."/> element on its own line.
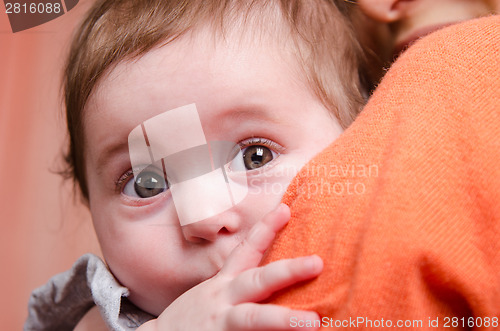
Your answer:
<point x="146" y="184"/>
<point x="256" y="156"/>
<point x="254" y="153"/>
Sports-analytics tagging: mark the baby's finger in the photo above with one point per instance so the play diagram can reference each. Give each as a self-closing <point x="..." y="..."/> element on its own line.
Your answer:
<point x="251" y="316"/>
<point x="249" y="253"/>
<point x="257" y="284"/>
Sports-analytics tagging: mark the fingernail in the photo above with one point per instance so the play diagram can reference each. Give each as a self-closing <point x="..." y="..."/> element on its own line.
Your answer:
<point x="314" y="263"/>
<point x="281" y="207"/>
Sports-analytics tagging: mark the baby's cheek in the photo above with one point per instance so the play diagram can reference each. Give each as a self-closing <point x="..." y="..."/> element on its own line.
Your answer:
<point x="140" y="261"/>
<point x="273" y="183"/>
<point x="264" y="195"/>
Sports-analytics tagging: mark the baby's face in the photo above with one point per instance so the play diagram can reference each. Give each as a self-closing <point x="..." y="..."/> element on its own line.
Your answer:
<point x="245" y="92"/>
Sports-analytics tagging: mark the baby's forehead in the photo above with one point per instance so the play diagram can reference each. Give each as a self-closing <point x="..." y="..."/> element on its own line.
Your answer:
<point x="219" y="44"/>
<point x="183" y="58"/>
<point x="230" y="40"/>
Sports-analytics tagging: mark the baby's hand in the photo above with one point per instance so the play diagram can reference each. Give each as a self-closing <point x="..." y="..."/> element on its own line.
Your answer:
<point x="227" y="301"/>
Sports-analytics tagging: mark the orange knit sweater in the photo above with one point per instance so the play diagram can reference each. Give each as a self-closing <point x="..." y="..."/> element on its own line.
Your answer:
<point x="404" y="208"/>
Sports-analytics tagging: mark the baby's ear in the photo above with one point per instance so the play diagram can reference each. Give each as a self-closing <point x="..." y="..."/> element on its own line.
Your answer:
<point x="26" y="14"/>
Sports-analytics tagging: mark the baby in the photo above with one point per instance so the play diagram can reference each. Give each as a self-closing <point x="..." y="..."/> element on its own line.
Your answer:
<point x="187" y="121"/>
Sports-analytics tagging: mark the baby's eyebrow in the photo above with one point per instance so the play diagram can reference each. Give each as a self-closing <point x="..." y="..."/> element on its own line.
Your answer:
<point x="248" y="112"/>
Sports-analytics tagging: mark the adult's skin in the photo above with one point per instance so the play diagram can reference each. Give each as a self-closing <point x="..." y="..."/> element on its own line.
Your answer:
<point x="409" y="20"/>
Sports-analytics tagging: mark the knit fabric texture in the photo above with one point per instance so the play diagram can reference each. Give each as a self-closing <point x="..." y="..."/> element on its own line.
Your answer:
<point x="404" y="208"/>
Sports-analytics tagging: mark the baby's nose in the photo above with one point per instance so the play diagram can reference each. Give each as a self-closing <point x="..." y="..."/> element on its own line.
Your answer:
<point x="208" y="230"/>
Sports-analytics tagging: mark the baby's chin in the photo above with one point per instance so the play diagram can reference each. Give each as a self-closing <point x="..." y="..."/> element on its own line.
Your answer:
<point x="155" y="300"/>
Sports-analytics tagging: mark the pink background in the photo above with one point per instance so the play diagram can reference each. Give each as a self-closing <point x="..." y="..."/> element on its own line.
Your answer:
<point x="44" y="228"/>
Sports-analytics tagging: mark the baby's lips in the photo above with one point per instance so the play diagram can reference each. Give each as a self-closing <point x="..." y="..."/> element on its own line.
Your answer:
<point x="26" y="14"/>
